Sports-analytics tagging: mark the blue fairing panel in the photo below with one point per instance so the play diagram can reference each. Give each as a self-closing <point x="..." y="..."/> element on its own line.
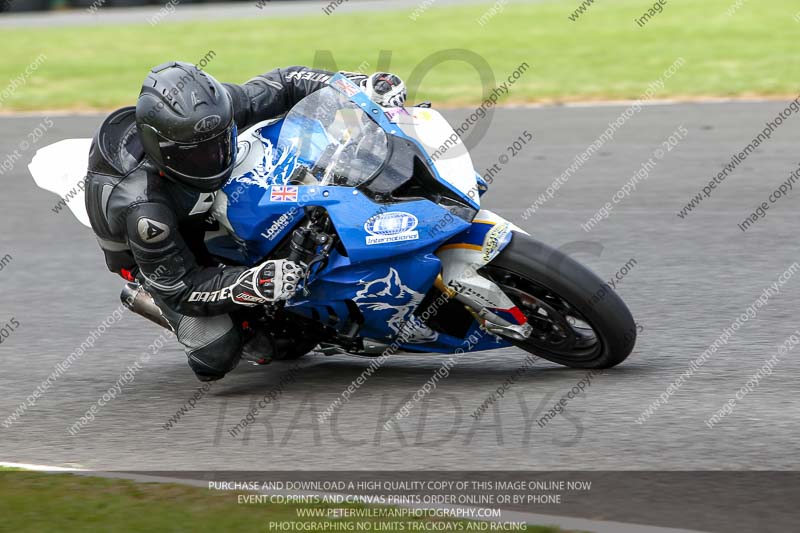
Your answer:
<point x="385" y="263"/>
<point x="260" y="223"/>
<point x="368" y="231"/>
<point x="385" y="295"/>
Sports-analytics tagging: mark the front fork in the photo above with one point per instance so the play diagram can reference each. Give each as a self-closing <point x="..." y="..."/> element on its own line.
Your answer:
<point x="463" y="256"/>
<point x="311" y="244"/>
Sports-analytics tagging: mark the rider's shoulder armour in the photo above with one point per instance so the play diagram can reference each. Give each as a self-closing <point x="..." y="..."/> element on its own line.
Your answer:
<point x="116" y="148"/>
<point x="117" y="176"/>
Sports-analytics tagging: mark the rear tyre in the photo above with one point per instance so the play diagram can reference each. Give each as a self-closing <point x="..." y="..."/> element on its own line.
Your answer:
<point x="577" y="319"/>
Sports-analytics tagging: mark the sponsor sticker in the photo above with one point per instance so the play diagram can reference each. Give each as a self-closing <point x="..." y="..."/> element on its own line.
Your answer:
<point x="496" y="239"/>
<point x="208" y="123"/>
<point x="283" y="193"/>
<point x="308" y="75"/>
<point x="345" y="86"/>
<point x="215" y="296"/>
<point x="395" y="226"/>
<point x="423" y="115"/>
<point x="394" y="114"/>
<point x="280" y="224"/>
<point x="152" y="231"/>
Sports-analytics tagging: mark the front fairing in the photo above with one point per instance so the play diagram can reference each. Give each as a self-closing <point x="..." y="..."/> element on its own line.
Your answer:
<point x="266" y="197"/>
<point x="385" y="262"/>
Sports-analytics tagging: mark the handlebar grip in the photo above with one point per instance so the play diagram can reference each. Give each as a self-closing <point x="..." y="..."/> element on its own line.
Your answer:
<point x="298" y="246"/>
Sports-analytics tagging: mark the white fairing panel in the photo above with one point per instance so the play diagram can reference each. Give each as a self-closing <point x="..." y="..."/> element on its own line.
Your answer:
<point x="460" y="263"/>
<point x="451" y="158"/>
<point x="61" y="168"/>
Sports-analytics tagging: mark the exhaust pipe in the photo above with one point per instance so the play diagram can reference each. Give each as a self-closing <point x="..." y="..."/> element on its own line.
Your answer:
<point x="138" y="300"/>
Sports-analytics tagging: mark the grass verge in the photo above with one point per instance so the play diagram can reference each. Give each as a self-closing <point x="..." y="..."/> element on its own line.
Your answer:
<point x="604" y="54"/>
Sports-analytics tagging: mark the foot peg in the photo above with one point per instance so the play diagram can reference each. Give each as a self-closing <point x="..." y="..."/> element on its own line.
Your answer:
<point x="500" y="326"/>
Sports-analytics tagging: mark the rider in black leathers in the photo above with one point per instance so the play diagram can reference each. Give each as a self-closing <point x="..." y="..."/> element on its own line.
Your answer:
<point x="153" y="171"/>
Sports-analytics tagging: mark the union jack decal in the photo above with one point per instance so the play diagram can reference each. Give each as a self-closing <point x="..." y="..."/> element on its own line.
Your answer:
<point x="283" y="193"/>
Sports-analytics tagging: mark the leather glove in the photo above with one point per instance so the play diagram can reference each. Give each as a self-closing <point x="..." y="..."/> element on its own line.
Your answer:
<point x="269" y="282"/>
<point x="385" y="89"/>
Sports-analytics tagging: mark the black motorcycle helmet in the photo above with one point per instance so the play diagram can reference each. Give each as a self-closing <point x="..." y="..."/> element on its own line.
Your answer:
<point x="185" y="121"/>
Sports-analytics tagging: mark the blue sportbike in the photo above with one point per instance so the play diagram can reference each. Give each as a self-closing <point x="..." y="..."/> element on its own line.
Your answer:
<point x="382" y="208"/>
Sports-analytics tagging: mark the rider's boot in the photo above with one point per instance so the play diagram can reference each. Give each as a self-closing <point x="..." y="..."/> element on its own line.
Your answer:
<point x="259" y="347"/>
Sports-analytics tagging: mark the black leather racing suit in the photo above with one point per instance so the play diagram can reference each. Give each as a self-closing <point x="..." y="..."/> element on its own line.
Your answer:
<point x="152" y="228"/>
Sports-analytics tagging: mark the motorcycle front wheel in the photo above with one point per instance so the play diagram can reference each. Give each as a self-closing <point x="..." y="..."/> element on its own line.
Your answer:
<point x="577" y="319"/>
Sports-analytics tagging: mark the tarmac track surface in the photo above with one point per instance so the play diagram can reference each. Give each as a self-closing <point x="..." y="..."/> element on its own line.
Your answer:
<point x="692" y="277"/>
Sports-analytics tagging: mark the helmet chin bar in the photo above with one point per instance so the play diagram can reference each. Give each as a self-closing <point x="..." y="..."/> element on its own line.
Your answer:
<point x="206" y="184"/>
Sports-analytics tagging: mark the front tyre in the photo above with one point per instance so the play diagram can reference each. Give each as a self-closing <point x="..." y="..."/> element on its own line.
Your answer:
<point x="577" y="320"/>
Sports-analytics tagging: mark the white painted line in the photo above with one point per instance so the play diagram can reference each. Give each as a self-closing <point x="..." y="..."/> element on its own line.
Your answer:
<point x="646" y="103"/>
<point x="102" y="113"/>
<point x="40" y="468"/>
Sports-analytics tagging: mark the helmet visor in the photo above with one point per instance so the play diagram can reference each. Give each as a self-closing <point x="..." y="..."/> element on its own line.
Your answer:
<point x="205" y="159"/>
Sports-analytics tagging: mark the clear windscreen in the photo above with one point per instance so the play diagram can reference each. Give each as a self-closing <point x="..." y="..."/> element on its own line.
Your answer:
<point x="332" y="141"/>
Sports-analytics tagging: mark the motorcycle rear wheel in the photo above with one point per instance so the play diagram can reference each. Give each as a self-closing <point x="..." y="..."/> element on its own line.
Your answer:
<point x="577" y="320"/>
